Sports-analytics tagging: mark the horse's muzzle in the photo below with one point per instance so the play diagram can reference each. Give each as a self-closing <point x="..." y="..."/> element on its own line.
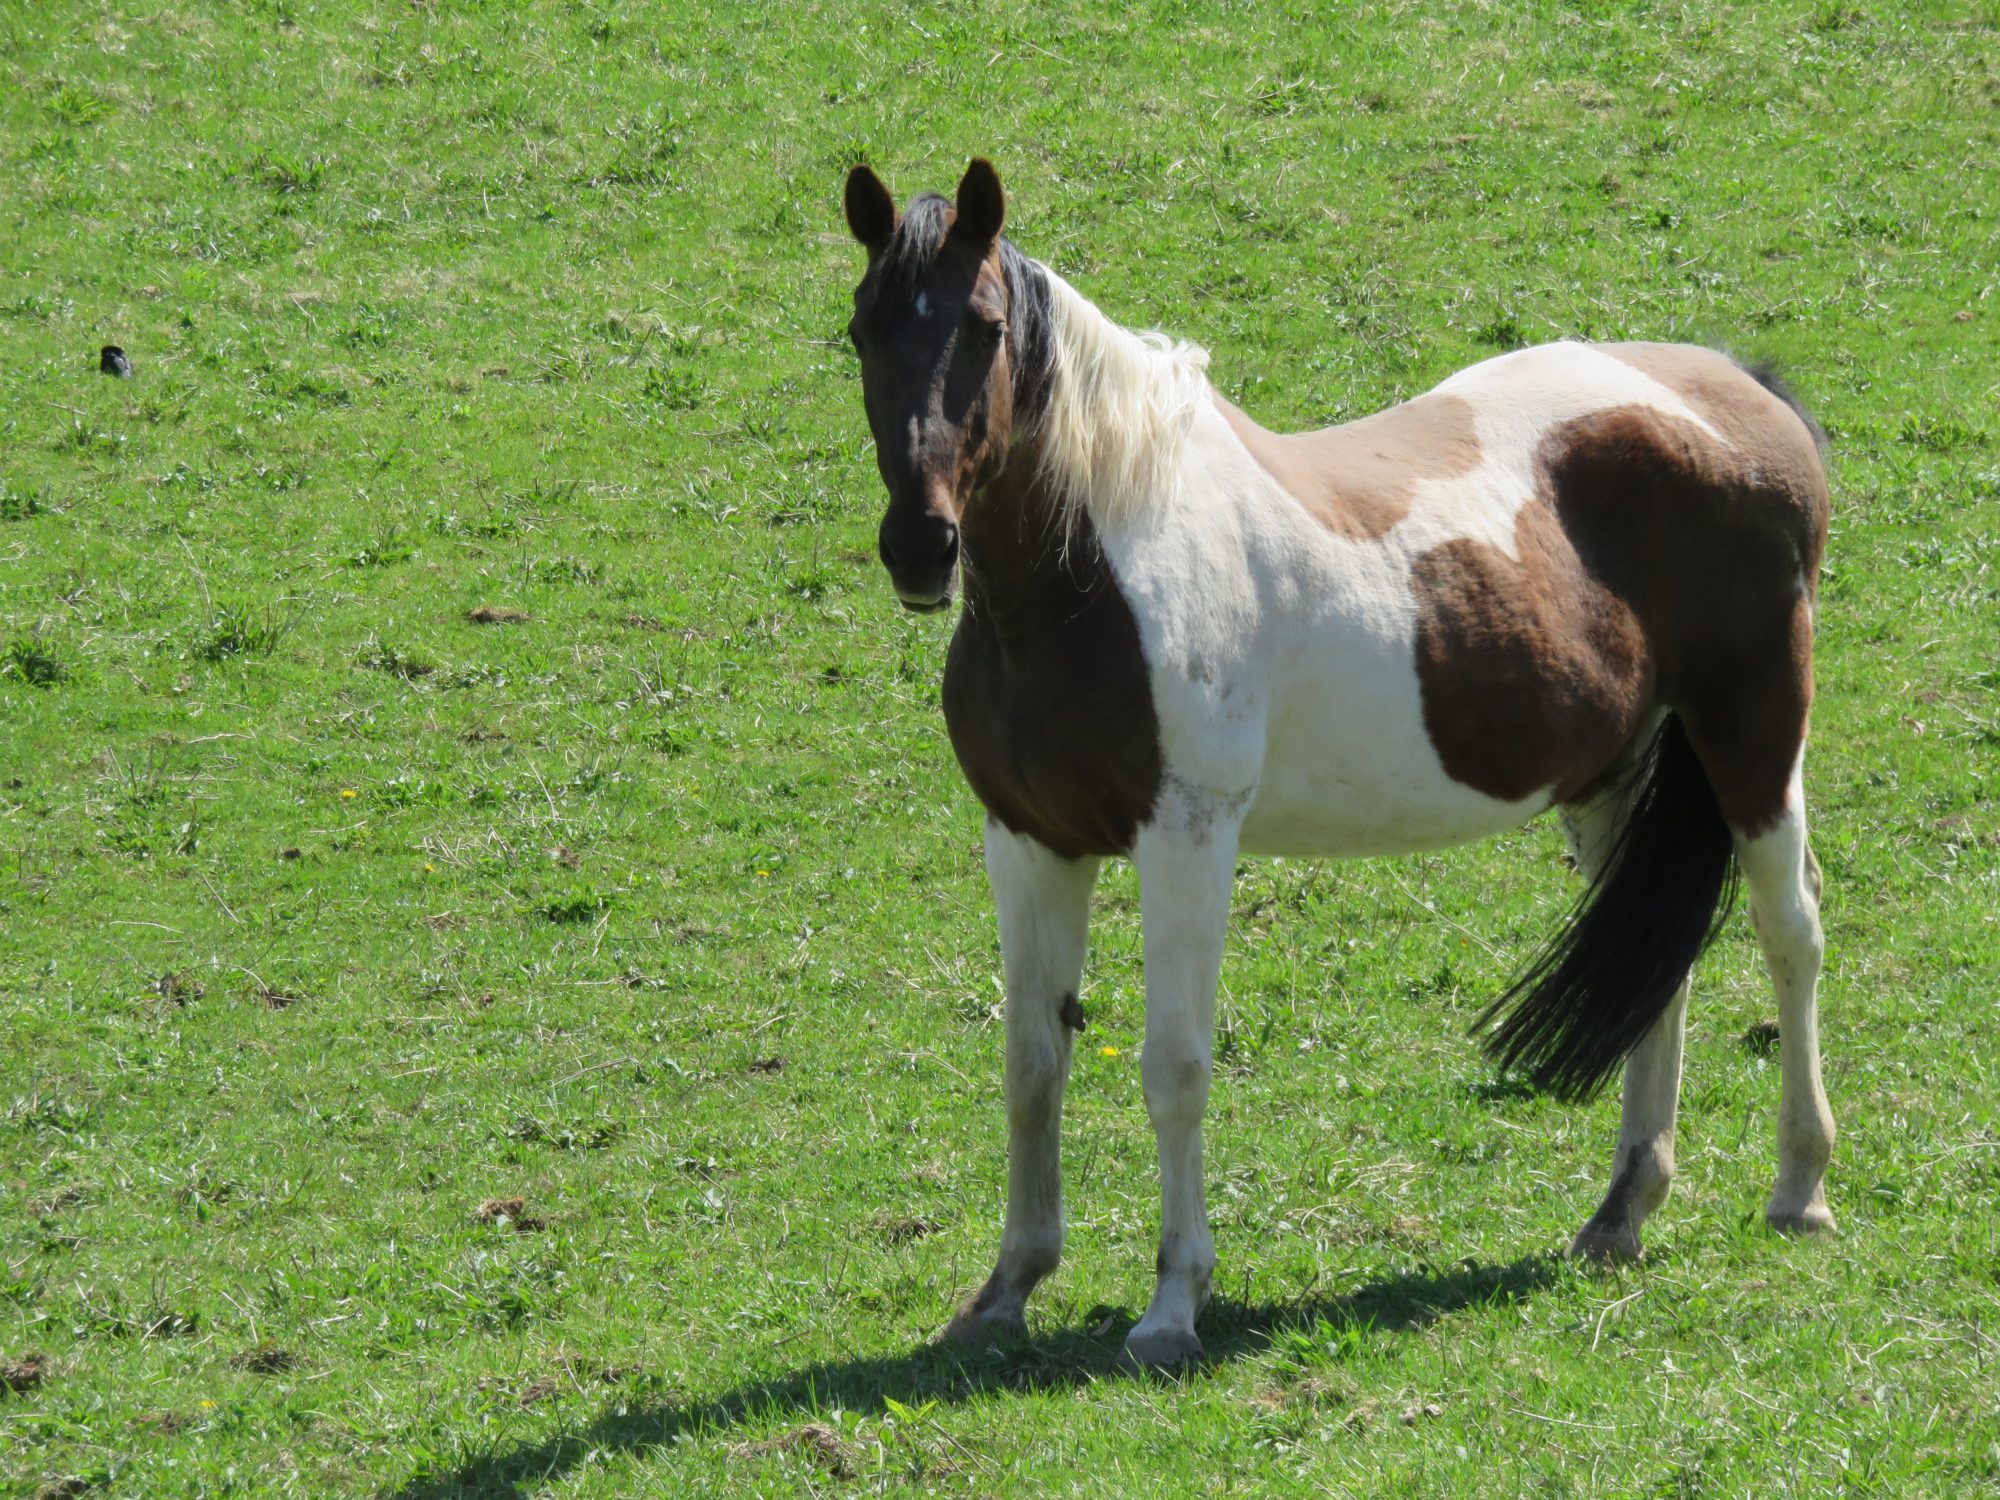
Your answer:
<point x="921" y="554"/>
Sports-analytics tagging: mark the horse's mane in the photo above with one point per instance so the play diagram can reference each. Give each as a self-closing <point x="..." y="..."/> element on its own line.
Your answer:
<point x="1116" y="410"/>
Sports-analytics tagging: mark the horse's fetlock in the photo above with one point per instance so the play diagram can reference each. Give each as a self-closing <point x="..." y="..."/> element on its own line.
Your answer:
<point x="1026" y="1259"/>
<point x="1649" y="1174"/>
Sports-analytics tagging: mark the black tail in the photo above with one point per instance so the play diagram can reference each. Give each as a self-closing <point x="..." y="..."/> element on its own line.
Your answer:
<point x="1591" y="996"/>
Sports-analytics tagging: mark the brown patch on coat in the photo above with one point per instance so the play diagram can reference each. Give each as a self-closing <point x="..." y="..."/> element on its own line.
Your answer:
<point x="1534" y="675"/>
<point x="1071" y="1011"/>
<point x="1761" y="426"/>
<point x="1655" y="565"/>
<point x="1358" y="479"/>
<point x="1046" y="691"/>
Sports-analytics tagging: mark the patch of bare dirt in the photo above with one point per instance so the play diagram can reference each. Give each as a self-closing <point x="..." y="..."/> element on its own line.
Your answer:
<point x="566" y="1372"/>
<point x="25" y="1373"/>
<point x="820" y="1444"/>
<point x="273" y="999"/>
<point x="177" y="990"/>
<point x="56" y="1202"/>
<point x="900" y="1230"/>
<point x="498" y="614"/>
<point x="264" y="1359"/>
<point x="66" y="1488"/>
<point x="512" y="1212"/>
<point x="768" y="1065"/>
<point x="291" y="851"/>
<point x="1410" y="1229"/>
<point x="1761" y="1040"/>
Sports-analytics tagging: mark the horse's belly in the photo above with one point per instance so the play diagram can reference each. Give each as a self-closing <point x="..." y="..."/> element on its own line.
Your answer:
<point x="1346" y="776"/>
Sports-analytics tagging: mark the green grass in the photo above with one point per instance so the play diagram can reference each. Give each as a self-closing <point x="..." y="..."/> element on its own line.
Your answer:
<point x="331" y="914"/>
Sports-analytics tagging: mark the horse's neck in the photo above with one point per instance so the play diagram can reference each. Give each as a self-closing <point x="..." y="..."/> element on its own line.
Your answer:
<point x="1027" y="566"/>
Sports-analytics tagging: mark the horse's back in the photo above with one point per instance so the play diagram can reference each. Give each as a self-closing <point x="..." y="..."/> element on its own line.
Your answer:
<point x="1451" y="636"/>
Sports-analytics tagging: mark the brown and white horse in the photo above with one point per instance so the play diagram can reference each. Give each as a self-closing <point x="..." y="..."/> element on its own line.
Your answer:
<point x="1578" y="576"/>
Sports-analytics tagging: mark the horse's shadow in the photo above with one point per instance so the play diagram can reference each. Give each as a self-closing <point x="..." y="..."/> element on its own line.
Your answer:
<point x="932" y="1373"/>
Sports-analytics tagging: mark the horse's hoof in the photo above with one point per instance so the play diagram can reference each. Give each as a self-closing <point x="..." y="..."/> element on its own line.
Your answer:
<point x="1813" y="1218"/>
<point x="1163" y="1348"/>
<point x="1606" y="1244"/>
<point x="970" y="1326"/>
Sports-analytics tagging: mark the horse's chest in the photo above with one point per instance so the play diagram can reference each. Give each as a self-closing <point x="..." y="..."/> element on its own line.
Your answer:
<point x="1056" y="731"/>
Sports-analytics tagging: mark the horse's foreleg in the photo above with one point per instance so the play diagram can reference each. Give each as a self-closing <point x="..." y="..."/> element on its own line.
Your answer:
<point x="1044" y="905"/>
<point x="1185" y="871"/>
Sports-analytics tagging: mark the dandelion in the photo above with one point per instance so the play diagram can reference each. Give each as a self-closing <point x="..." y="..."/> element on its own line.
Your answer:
<point x="763" y="874"/>
<point x="429" y="869"/>
<point x="348" y="794"/>
<point x="1107" y="1051"/>
<point x="207" y="1404"/>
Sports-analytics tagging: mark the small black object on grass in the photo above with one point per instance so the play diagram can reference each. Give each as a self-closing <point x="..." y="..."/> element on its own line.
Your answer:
<point x="111" y="360"/>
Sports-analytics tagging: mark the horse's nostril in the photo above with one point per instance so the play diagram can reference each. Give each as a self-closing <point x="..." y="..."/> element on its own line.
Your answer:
<point x="926" y="544"/>
<point x="887" y="549"/>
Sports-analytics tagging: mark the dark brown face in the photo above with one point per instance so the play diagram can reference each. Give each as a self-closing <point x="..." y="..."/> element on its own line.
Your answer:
<point x="930" y="325"/>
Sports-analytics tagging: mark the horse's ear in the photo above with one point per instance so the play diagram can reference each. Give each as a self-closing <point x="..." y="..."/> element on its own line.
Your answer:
<point x="871" y="212"/>
<point x="982" y="206"/>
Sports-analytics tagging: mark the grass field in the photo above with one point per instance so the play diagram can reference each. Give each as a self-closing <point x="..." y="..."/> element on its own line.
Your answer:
<point x="334" y="915"/>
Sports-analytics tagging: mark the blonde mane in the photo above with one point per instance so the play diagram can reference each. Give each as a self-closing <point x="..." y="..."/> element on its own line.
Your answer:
<point x="1117" y="413"/>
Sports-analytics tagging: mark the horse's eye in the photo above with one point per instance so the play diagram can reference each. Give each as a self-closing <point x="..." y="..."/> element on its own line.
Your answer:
<point x="993" y="332"/>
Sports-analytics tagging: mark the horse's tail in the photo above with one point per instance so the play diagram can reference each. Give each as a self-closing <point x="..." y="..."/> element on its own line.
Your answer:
<point x="1593" y="993"/>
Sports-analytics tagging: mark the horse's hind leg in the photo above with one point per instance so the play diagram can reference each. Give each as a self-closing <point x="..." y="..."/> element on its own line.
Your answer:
<point x="1643" y="1169"/>
<point x="1044" y="905"/>
<point x="1784" y="882"/>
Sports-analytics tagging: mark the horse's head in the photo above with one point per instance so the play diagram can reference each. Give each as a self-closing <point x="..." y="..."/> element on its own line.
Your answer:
<point x="931" y="327"/>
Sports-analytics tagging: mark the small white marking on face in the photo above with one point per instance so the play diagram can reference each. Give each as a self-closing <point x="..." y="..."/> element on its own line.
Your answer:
<point x="923" y="304"/>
